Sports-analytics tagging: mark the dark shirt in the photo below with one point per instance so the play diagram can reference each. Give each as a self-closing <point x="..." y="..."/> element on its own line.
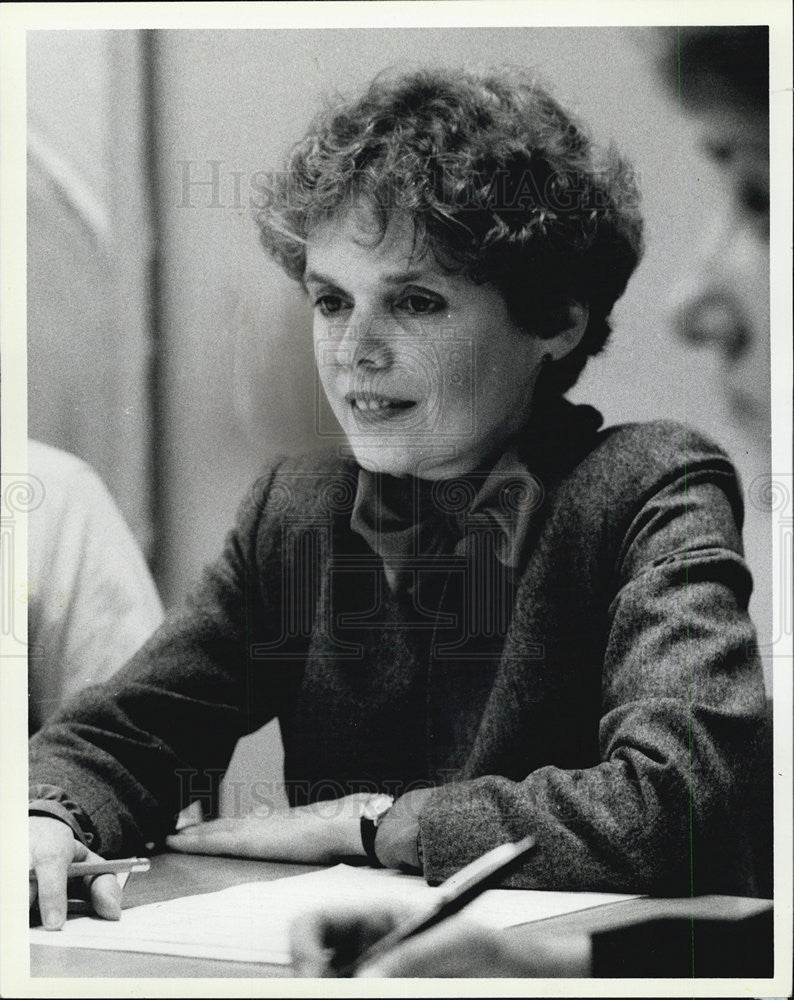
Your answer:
<point x="618" y="718"/>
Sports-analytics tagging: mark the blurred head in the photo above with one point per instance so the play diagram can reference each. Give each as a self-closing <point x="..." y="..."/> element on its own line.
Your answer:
<point x="523" y="235"/>
<point x="721" y="75"/>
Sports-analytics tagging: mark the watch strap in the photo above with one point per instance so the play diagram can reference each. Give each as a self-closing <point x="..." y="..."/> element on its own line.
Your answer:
<point x="369" y="831"/>
<point x="372" y="812"/>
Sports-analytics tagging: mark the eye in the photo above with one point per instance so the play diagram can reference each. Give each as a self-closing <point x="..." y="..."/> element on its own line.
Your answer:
<point x="421" y="303"/>
<point x="329" y="304"/>
<point x="754" y="198"/>
<point x="720" y="152"/>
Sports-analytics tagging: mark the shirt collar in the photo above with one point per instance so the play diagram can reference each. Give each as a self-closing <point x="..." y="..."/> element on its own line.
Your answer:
<point x="404" y="517"/>
<point x="507" y="496"/>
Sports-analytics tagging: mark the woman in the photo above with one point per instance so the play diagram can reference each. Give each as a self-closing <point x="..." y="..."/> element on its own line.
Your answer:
<point x="487" y="616"/>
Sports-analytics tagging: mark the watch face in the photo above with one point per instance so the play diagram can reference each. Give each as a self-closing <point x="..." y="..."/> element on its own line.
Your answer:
<point x="375" y="808"/>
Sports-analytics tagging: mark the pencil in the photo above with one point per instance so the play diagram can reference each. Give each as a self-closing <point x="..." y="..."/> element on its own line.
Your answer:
<point x="83" y="869"/>
<point x="456" y="893"/>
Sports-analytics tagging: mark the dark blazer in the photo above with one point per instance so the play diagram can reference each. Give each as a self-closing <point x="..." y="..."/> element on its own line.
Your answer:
<point x="619" y="718"/>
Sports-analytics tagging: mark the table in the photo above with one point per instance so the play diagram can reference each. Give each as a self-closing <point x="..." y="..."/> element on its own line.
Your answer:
<point x="174" y="875"/>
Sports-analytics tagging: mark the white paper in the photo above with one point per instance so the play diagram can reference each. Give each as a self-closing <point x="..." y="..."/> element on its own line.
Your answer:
<point x="250" y="922"/>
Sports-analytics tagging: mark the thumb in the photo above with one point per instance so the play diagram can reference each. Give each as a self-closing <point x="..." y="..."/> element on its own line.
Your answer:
<point x="105" y="892"/>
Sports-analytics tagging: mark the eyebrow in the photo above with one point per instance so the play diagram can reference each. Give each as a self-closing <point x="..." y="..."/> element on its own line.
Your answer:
<point x="395" y="278"/>
<point x="725" y="151"/>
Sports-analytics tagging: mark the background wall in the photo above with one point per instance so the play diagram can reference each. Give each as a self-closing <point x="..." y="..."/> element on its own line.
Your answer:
<point x="89" y="257"/>
<point x="239" y="377"/>
<point x="237" y="382"/>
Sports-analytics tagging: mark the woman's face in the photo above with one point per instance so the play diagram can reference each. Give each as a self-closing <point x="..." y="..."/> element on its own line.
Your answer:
<point x="425" y="371"/>
<point x="724" y="302"/>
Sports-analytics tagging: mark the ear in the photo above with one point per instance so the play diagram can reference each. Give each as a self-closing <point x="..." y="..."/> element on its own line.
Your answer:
<point x="573" y="323"/>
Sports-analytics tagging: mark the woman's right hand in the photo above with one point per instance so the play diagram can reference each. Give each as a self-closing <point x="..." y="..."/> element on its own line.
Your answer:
<point x="53" y="847"/>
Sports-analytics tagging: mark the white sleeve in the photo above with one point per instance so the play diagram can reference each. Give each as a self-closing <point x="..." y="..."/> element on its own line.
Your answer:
<point x="92" y="599"/>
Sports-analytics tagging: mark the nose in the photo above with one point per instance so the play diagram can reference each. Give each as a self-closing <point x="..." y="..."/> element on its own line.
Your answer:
<point x="706" y="308"/>
<point x="363" y="341"/>
<point x="714" y="318"/>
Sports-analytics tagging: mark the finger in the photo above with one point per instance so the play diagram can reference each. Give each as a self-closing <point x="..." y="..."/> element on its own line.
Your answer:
<point x="218" y="836"/>
<point x="52" y="848"/>
<point x="322" y="941"/>
<point x="456" y="948"/>
<point x="310" y="955"/>
<point x="189" y="816"/>
<point x="328" y="939"/>
<point x="51" y="890"/>
<point x="105" y="894"/>
<point x="48" y="889"/>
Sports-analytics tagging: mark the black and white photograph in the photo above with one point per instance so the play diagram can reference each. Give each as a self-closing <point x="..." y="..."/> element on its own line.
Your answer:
<point x="397" y="508"/>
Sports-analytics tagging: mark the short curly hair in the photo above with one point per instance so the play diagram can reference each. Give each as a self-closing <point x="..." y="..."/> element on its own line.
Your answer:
<point x="503" y="186"/>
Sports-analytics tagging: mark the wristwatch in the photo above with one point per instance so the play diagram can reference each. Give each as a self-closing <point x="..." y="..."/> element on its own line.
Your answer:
<point x="372" y="812"/>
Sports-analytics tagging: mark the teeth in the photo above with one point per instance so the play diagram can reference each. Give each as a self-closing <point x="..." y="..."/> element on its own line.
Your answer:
<point x="372" y="404"/>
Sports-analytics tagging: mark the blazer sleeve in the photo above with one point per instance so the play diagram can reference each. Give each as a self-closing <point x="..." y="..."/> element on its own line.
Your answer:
<point x="682" y="709"/>
<point x="123" y="757"/>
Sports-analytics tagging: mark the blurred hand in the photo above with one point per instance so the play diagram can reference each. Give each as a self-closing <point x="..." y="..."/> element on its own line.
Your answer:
<point x="320" y="833"/>
<point x="324" y="941"/>
<point x="52" y="849"/>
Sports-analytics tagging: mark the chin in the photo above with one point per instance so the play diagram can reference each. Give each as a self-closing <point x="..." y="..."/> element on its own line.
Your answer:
<point x="750" y="413"/>
<point x="389" y="461"/>
<point x="411" y="461"/>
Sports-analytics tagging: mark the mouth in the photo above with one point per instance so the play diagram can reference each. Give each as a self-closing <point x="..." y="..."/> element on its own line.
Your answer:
<point x="742" y="405"/>
<point x="372" y="403"/>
